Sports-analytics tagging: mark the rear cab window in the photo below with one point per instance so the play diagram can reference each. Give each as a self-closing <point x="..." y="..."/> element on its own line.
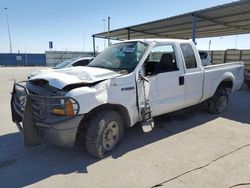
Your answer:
<point x="189" y="56"/>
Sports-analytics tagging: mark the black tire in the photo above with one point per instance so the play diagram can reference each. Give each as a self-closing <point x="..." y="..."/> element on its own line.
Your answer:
<point x="101" y="131"/>
<point x="218" y="103"/>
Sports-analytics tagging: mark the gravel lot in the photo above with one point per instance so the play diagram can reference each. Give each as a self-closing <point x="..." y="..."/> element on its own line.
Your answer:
<point x="188" y="149"/>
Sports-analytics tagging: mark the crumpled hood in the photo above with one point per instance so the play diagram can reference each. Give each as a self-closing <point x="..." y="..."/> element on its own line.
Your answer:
<point x="60" y="78"/>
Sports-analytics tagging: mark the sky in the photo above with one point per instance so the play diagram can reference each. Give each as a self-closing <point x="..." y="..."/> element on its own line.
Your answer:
<point x="70" y="24"/>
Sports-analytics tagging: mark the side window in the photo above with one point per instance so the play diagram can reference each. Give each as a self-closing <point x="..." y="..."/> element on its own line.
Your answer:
<point x="203" y="55"/>
<point x="81" y="63"/>
<point x="189" y="56"/>
<point x="161" y="59"/>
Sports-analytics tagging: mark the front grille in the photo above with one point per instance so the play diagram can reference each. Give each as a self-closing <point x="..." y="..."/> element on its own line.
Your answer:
<point x="42" y="106"/>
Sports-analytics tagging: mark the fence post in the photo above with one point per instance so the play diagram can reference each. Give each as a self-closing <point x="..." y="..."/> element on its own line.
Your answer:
<point x="212" y="56"/>
<point x="26" y="60"/>
<point x="240" y="56"/>
<point x="225" y="56"/>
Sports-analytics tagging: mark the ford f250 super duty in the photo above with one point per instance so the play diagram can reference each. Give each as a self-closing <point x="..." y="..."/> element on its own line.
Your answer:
<point x="129" y="82"/>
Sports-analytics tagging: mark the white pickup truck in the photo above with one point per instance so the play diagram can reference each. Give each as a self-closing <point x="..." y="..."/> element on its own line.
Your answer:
<point x="129" y="82"/>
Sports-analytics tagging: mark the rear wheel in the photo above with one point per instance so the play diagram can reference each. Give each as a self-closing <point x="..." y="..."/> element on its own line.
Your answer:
<point x="104" y="132"/>
<point x="218" y="103"/>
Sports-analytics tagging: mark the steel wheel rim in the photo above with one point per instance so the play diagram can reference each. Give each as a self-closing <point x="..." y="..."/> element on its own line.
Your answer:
<point x="110" y="135"/>
<point x="222" y="103"/>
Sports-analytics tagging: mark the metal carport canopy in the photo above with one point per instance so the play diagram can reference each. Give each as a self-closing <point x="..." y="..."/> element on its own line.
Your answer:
<point x="228" y="19"/>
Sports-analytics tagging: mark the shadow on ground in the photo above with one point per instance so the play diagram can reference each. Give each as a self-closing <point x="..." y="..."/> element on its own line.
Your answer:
<point x="239" y="105"/>
<point x="20" y="166"/>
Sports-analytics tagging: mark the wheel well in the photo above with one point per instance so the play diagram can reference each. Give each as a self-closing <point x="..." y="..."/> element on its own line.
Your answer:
<point x="116" y="107"/>
<point x="228" y="84"/>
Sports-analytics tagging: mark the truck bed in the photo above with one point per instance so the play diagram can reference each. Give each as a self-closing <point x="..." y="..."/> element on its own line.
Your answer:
<point x="214" y="74"/>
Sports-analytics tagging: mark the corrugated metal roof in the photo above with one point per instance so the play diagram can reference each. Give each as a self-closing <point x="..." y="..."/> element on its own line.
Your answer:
<point x="228" y="19"/>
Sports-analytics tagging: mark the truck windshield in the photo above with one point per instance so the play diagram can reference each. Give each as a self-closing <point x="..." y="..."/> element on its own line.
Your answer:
<point x="120" y="56"/>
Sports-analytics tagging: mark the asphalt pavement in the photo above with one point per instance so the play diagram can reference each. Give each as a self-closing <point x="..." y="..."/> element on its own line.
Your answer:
<point x="187" y="149"/>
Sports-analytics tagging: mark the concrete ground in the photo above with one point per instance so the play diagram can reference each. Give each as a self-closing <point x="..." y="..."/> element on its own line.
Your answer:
<point x="188" y="149"/>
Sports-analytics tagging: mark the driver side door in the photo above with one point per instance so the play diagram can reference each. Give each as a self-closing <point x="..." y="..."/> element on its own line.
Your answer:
<point x="165" y="89"/>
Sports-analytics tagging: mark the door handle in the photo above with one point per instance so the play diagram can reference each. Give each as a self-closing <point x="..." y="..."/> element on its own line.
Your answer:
<point x="181" y="80"/>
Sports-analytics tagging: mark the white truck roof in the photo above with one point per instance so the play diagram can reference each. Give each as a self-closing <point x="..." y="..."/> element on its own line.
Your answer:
<point x="160" y="40"/>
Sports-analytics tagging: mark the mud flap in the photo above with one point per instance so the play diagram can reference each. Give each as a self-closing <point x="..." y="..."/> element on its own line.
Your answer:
<point x="31" y="137"/>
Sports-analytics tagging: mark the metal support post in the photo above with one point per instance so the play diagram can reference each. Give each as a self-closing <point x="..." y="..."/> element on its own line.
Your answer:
<point x="109" y="30"/>
<point x="194" y="28"/>
<point x="94" y="45"/>
<point x="128" y="33"/>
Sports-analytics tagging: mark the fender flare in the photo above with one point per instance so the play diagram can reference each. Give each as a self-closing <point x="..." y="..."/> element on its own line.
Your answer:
<point x="226" y="77"/>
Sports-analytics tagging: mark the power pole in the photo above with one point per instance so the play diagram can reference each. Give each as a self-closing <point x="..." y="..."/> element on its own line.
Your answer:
<point x="236" y="40"/>
<point x="8" y="25"/>
<point x="109" y="29"/>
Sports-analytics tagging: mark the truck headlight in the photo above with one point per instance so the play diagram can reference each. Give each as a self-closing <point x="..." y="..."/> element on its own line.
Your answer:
<point x="69" y="107"/>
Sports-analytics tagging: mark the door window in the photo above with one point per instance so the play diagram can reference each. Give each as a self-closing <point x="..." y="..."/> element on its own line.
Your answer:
<point x="161" y="59"/>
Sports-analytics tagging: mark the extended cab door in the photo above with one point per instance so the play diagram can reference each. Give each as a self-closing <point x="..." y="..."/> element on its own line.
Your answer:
<point x="165" y="88"/>
<point x="193" y="74"/>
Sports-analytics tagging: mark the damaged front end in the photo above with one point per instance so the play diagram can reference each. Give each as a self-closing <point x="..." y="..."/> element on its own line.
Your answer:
<point x="43" y="114"/>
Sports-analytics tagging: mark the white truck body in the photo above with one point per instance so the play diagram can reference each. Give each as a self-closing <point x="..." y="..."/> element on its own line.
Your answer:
<point x="200" y="84"/>
<point x="99" y="88"/>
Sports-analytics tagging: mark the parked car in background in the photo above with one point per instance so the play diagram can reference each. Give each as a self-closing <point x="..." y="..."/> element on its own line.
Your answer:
<point x="80" y="61"/>
<point x="205" y="58"/>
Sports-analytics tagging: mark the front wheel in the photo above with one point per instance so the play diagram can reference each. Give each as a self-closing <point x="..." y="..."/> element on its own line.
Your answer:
<point x="104" y="132"/>
<point x="218" y="103"/>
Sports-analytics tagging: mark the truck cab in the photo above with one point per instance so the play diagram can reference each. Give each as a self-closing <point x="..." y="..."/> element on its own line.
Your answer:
<point x="173" y="66"/>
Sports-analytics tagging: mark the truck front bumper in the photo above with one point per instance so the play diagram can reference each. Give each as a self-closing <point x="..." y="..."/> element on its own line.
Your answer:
<point x="32" y="115"/>
<point x="53" y="134"/>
